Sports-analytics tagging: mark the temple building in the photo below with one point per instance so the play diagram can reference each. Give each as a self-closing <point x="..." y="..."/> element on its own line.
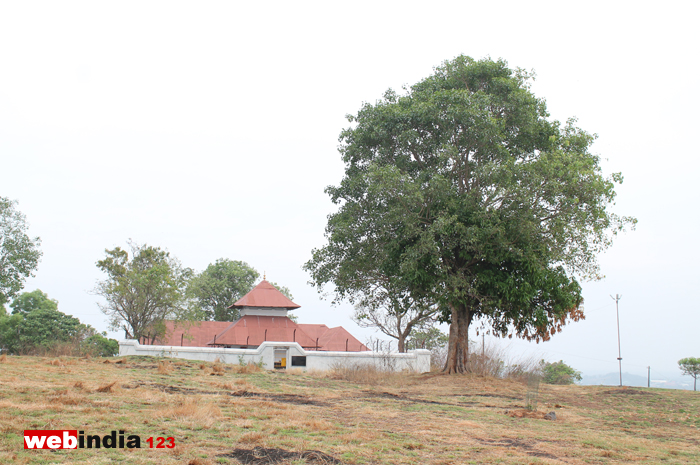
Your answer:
<point x="264" y="316"/>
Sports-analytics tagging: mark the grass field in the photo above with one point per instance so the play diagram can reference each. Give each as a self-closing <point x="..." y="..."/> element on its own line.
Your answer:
<point x="225" y="414"/>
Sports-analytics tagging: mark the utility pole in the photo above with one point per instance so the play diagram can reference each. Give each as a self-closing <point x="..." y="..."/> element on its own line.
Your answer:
<point x="619" y="353"/>
<point x="648" y="376"/>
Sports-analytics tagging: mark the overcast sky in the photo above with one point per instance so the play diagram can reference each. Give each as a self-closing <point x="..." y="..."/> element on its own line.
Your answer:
<point x="211" y="129"/>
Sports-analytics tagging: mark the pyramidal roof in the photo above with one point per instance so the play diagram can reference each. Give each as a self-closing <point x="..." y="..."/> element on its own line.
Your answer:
<point x="265" y="295"/>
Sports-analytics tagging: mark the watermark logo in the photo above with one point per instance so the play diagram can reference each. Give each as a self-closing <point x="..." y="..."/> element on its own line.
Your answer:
<point x="74" y="439"/>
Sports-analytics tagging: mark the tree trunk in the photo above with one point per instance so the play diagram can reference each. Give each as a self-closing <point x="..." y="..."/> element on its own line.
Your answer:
<point x="458" y="351"/>
<point x="402" y="343"/>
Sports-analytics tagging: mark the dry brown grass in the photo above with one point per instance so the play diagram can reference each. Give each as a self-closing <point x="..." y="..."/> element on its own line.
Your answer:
<point x="198" y="461"/>
<point x="365" y="374"/>
<point x="3" y="358"/>
<point x="110" y="387"/>
<point x="246" y="369"/>
<point x="403" y="419"/>
<point x="67" y="397"/>
<point x="251" y="438"/>
<point x="242" y="383"/>
<point x="318" y="425"/>
<point x="164" y="367"/>
<point x="193" y="412"/>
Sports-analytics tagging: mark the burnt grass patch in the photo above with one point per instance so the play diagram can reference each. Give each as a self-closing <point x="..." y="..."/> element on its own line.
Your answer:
<point x="294" y="399"/>
<point x="628" y="391"/>
<point x="263" y="456"/>
<point x="389" y="395"/>
<point x="522" y="445"/>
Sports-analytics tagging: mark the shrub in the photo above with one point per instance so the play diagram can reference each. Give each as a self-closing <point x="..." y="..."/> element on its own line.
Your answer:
<point x="559" y="373"/>
<point x="98" y="345"/>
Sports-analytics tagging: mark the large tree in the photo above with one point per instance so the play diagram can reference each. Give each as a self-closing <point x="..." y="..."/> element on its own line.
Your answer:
<point x="19" y="253"/>
<point x="145" y="285"/>
<point x="464" y="190"/>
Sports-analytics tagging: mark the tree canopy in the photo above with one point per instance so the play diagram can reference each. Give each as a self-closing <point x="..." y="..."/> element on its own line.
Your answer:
<point x="19" y="253"/>
<point x="221" y="284"/>
<point x="559" y="373"/>
<point x="142" y="290"/>
<point x="690" y="366"/>
<point x="465" y="193"/>
<point x="35" y="300"/>
<point x="37" y="326"/>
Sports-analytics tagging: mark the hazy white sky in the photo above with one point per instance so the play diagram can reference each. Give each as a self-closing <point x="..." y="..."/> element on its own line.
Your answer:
<point x="211" y="128"/>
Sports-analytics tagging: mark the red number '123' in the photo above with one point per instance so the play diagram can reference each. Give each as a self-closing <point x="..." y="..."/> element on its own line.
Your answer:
<point x="160" y="443"/>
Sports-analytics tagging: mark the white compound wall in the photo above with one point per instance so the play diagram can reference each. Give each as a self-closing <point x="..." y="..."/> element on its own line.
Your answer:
<point x="414" y="360"/>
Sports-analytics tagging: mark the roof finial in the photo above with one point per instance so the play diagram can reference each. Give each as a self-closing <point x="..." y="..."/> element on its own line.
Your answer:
<point x="264" y="276"/>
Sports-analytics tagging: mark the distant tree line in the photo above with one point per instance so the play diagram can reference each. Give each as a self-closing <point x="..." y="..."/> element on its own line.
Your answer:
<point x="37" y="327"/>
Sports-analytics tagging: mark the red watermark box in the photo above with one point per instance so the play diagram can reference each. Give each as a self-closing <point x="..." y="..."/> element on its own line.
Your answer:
<point x="51" y="439"/>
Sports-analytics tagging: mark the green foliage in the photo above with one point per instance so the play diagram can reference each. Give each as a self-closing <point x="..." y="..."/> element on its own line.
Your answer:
<point x="98" y="345"/>
<point x="427" y="337"/>
<point x="221" y="284"/>
<point x="143" y="289"/>
<point x="35" y="300"/>
<point x="40" y="330"/>
<point x="9" y="333"/>
<point x="19" y="254"/>
<point x="463" y="193"/>
<point x="559" y="373"/>
<point x="690" y="366"/>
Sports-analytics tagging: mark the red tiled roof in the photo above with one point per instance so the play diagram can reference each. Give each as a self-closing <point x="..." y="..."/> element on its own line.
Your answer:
<point x="196" y="335"/>
<point x="253" y="330"/>
<point x="313" y="330"/>
<point x="265" y="295"/>
<point x="339" y="339"/>
<point x="250" y="330"/>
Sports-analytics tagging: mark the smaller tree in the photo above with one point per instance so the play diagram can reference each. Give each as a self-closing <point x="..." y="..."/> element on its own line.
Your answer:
<point x="35" y="300"/>
<point x="142" y="290"/>
<point x="428" y="337"/>
<point x="690" y="366"/>
<point x="559" y="373"/>
<point x="19" y="253"/>
<point x="394" y="312"/>
<point x="98" y="345"/>
<point x="40" y="330"/>
<point x="9" y="333"/>
<point x="220" y="285"/>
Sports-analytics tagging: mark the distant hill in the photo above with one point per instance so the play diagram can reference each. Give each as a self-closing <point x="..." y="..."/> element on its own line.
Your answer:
<point x="613" y="379"/>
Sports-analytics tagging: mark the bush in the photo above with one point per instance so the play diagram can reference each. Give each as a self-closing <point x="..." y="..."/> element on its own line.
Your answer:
<point x="559" y="373"/>
<point x="98" y="345"/>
